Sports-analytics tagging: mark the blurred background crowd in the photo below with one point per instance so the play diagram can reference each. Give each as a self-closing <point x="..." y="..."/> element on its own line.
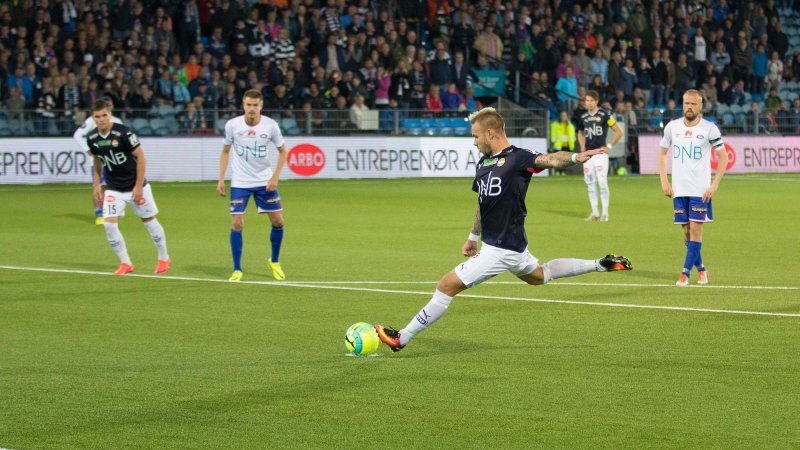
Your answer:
<point x="182" y="66"/>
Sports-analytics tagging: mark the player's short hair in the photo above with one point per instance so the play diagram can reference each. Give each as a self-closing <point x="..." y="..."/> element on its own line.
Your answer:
<point x="489" y="119"/>
<point x="253" y="93"/>
<point x="594" y="94"/>
<point x="108" y="100"/>
<point x="695" y="92"/>
<point x="101" y="104"/>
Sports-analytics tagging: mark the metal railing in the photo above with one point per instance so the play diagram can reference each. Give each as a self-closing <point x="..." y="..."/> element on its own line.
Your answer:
<point x="533" y="121"/>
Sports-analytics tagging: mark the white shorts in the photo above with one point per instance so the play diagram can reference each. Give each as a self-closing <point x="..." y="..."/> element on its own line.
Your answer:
<point x="114" y="203"/>
<point x="596" y="169"/>
<point x="492" y="261"/>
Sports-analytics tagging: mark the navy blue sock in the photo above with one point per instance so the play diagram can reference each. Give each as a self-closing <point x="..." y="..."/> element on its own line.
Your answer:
<point x="699" y="261"/>
<point x="276" y="237"/>
<point x="692" y="251"/>
<point x="236" y="249"/>
<point x="98" y="212"/>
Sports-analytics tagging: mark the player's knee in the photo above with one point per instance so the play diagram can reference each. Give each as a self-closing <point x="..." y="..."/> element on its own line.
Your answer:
<point x="277" y="223"/>
<point x="237" y="224"/>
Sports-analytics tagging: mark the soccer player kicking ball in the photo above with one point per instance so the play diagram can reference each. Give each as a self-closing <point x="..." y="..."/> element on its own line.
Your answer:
<point x="690" y="139"/>
<point x="252" y="137"/>
<point x="117" y="149"/>
<point x="501" y="181"/>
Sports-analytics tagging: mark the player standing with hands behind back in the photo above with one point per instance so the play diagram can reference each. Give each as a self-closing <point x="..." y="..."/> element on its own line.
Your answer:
<point x="117" y="148"/>
<point x="690" y="140"/>
<point x="595" y="123"/>
<point x="252" y="137"/>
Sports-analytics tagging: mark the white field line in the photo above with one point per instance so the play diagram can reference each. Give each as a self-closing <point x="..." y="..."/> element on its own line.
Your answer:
<point x="425" y="293"/>
<point x="565" y="283"/>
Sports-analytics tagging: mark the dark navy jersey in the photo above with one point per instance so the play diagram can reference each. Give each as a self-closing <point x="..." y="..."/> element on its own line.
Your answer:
<point x="502" y="183"/>
<point x="595" y="128"/>
<point x="114" y="151"/>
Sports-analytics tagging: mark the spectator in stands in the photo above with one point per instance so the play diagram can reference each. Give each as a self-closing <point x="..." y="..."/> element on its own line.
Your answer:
<point x="567" y="90"/>
<point x="773" y="101"/>
<point x="684" y="77"/>
<point x="338" y="120"/>
<point x="738" y="95"/>
<point x="144" y="100"/>
<point x="489" y="47"/>
<point x="742" y="58"/>
<point x="585" y="67"/>
<point x="758" y="70"/>
<point x="433" y="100"/>
<point x="775" y="71"/>
<point x="469" y="103"/>
<point x="628" y="78"/>
<point x="358" y="113"/>
<point x="439" y="69"/>
<point x="191" y="120"/>
<point x="670" y="68"/>
<point x="710" y="97"/>
<point x="451" y="98"/>
<point x="180" y="94"/>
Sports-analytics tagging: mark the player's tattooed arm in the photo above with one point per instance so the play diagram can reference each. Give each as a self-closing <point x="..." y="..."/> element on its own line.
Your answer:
<point x="476" y="223"/>
<point x="562" y="159"/>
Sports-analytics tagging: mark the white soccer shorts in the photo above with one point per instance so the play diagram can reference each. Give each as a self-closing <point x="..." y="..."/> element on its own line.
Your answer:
<point x="492" y="261"/>
<point x="114" y="203"/>
<point x="596" y="169"/>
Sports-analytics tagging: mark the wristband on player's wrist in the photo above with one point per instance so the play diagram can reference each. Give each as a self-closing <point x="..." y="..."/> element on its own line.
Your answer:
<point x="574" y="157"/>
<point x="473" y="237"/>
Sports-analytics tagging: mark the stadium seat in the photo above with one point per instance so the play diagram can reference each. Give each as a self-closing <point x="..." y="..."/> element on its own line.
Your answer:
<point x="739" y="118"/>
<point x="138" y="124"/>
<point x="289" y="124"/>
<point x="415" y="131"/>
<point x="446" y="131"/>
<point x="5" y="128"/>
<point x="160" y="127"/>
<point x="431" y="131"/>
<point x="728" y="118"/>
<point x="461" y="131"/>
<point x="166" y="111"/>
<point x="219" y="125"/>
<point x="722" y="108"/>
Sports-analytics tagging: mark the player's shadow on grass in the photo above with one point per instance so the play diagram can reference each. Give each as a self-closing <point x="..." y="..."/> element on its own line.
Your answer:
<point x="662" y="277"/>
<point x="570" y="214"/>
<point x="85" y="218"/>
<point x="208" y="270"/>
<point x="83" y="265"/>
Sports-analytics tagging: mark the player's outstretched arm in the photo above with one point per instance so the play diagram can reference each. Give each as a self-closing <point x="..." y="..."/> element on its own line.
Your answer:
<point x="562" y="159"/>
<point x="470" y="248"/>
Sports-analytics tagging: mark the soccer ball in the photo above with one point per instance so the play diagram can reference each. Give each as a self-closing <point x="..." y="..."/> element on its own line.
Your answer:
<point x="361" y="339"/>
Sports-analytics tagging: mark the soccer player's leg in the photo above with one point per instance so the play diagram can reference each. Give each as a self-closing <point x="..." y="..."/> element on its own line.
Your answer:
<point x="269" y="202"/>
<point x="147" y="211"/>
<point x="570" y="267"/>
<point x="238" y="205"/>
<point x="113" y="209"/>
<point x="601" y="169"/>
<point x="481" y="267"/>
<point x="699" y="213"/>
<point x="590" y="178"/>
<point x="681" y="206"/>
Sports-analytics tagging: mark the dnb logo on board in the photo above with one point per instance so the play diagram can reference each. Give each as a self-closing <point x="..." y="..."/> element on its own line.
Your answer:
<point x="306" y="159"/>
<point x="731" y="157"/>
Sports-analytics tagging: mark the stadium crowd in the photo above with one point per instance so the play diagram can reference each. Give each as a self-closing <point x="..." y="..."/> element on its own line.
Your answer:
<point x="350" y="56"/>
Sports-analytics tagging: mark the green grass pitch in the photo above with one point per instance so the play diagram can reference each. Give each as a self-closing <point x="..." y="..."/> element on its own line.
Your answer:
<point x="190" y="361"/>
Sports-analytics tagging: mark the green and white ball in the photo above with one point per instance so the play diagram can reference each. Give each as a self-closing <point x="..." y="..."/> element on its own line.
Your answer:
<point x="361" y="339"/>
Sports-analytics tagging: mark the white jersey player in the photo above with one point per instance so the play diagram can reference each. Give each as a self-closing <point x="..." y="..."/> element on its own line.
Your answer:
<point x="689" y="141"/>
<point x="80" y="136"/>
<point x="253" y="137"/>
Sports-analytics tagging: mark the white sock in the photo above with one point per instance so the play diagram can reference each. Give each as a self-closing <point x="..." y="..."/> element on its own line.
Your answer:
<point x="593" y="198"/>
<point x="567" y="267"/>
<point x="157" y="233"/>
<point x="605" y="195"/>
<point x="426" y="316"/>
<point x="117" y="242"/>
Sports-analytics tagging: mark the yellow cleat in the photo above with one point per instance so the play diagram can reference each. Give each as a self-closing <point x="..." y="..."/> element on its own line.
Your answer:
<point x="277" y="272"/>
<point x="99" y="220"/>
<point x="236" y="276"/>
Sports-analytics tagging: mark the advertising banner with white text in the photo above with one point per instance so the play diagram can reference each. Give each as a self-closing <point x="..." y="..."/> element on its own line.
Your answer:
<point x="60" y="160"/>
<point x="745" y="154"/>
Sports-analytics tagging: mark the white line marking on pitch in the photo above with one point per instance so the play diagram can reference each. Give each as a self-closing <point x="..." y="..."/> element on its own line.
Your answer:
<point x="567" y="283"/>
<point x="427" y="293"/>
